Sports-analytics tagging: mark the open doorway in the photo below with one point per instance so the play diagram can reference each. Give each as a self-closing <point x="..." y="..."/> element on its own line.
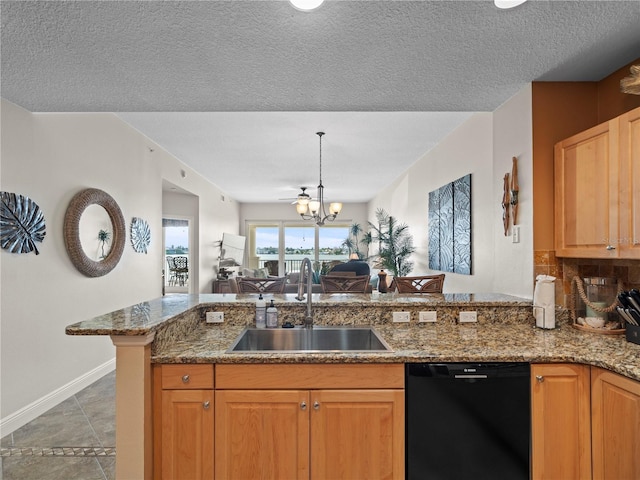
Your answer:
<point x="176" y="236"/>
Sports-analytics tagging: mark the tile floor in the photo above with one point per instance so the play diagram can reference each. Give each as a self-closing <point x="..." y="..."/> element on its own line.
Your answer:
<point x="73" y="441"/>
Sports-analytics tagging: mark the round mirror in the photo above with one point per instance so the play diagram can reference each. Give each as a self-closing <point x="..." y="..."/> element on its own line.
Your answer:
<point x="87" y="226"/>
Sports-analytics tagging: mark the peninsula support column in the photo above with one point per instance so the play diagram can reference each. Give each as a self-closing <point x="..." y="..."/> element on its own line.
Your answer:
<point x="134" y="418"/>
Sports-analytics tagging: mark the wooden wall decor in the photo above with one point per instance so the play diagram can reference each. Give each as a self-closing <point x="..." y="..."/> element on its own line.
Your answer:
<point x="515" y="189"/>
<point x="510" y="191"/>
<point x="450" y="227"/>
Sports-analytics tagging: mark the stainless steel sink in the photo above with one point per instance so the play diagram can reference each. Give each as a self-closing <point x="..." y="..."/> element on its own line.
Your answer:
<point x="316" y="339"/>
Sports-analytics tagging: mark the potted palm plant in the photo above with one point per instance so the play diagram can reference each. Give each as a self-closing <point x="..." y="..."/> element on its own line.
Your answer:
<point x="395" y="243"/>
<point x="353" y="241"/>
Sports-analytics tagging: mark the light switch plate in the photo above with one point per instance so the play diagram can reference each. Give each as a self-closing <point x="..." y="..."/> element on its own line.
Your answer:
<point x="215" y="317"/>
<point x="430" y="316"/>
<point x="468" y="317"/>
<point x="515" y="235"/>
<point x="401" y="317"/>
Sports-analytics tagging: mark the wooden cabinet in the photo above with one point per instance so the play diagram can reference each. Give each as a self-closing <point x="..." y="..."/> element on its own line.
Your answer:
<point x="597" y="193"/>
<point x="586" y="193"/>
<point x="357" y="434"/>
<point x="630" y="184"/>
<point x="183" y="422"/>
<point x="262" y="434"/>
<point x="616" y="426"/>
<point x="561" y="432"/>
<point x="310" y="421"/>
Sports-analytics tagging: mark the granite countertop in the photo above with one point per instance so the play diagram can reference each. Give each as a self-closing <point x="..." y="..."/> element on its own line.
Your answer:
<point x="147" y="317"/>
<point x="504" y="332"/>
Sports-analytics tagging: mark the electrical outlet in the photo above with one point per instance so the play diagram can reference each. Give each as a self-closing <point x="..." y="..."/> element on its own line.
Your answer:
<point x="430" y="316"/>
<point x="215" y="317"/>
<point x="399" y="317"/>
<point x="515" y="235"/>
<point x="468" y="317"/>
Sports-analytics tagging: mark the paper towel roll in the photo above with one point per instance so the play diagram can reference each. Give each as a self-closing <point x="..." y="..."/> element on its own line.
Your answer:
<point x="544" y="301"/>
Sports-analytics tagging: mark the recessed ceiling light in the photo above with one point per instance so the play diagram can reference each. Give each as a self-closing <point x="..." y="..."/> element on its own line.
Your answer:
<point x="508" y="3"/>
<point x="306" y="5"/>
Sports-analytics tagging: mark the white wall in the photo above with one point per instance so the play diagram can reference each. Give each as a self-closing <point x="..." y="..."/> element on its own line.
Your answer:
<point x="512" y="137"/>
<point x="482" y="146"/>
<point x="49" y="158"/>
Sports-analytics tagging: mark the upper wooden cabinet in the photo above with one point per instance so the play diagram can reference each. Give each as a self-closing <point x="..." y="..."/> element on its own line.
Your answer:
<point x="630" y="184"/>
<point x="597" y="193"/>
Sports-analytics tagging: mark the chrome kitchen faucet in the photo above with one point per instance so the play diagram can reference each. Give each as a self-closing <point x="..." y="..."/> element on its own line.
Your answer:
<point x="306" y="265"/>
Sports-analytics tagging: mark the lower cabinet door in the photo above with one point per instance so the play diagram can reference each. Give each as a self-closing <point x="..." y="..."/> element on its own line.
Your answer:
<point x="561" y="427"/>
<point x="262" y="434"/>
<point x="187" y="434"/>
<point x="616" y="426"/>
<point x="357" y="434"/>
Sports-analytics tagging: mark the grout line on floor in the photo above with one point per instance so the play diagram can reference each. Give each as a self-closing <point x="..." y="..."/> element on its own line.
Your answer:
<point x="95" y="434"/>
<point x="58" y="452"/>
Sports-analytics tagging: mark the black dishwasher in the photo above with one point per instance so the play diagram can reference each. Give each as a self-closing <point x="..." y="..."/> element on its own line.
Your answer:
<point x="468" y="421"/>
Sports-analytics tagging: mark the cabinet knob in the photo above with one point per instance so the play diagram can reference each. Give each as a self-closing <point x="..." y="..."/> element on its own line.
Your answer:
<point x="185" y="378"/>
<point x="316" y="405"/>
<point x="206" y="405"/>
<point x="539" y="378"/>
<point x="303" y="405"/>
<point x="610" y="247"/>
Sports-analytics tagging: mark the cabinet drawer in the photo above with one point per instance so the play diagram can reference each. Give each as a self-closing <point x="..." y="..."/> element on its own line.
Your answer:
<point x="186" y="376"/>
<point x="309" y="376"/>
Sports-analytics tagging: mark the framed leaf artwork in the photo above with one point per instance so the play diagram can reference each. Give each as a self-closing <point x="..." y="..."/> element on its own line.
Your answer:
<point x="21" y="223"/>
<point x="450" y="227"/>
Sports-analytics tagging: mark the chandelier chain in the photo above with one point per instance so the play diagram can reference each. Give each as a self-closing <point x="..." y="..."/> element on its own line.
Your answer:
<point x="320" y="134"/>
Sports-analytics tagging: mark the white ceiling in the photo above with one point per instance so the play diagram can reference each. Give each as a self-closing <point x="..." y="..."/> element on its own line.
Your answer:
<point x="237" y="89"/>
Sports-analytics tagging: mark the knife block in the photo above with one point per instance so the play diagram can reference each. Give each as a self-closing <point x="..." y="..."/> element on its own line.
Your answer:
<point x="633" y="334"/>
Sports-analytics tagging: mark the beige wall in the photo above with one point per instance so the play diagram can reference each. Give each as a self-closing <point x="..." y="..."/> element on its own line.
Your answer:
<point x="483" y="146"/>
<point x="49" y="158"/>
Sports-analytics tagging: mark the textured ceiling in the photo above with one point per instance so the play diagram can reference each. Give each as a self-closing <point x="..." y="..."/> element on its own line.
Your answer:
<point x="264" y="56"/>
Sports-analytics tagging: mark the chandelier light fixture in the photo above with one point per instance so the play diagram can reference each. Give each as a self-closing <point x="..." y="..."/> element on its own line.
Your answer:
<point x="315" y="209"/>
<point x="306" y="5"/>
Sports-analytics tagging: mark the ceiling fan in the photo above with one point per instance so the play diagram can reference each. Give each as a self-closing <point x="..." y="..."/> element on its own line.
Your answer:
<point x="303" y="197"/>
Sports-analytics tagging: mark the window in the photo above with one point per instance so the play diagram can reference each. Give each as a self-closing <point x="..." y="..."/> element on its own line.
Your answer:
<point x="290" y="242"/>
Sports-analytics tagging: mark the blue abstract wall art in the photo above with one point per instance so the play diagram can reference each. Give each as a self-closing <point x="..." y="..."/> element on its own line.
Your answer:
<point x="450" y="227"/>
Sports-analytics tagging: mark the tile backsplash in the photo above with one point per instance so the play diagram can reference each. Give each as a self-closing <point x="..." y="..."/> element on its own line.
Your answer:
<point x="564" y="269"/>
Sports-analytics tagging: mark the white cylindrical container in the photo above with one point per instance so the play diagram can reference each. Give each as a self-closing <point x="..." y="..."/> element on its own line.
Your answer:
<point x="261" y="312"/>
<point x="544" y="301"/>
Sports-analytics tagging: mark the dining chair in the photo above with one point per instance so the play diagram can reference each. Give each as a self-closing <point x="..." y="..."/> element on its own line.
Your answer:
<point x="182" y="269"/>
<point x="344" y="283"/>
<point x="261" y="285"/>
<point x="420" y="284"/>
<point x="171" y="265"/>
<point x="272" y="267"/>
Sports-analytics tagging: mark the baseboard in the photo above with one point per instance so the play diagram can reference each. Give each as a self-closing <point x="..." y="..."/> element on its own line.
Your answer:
<point x="23" y="416"/>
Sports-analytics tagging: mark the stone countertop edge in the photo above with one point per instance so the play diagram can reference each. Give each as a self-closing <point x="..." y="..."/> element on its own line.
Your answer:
<point x="146" y="317"/>
<point x="183" y="337"/>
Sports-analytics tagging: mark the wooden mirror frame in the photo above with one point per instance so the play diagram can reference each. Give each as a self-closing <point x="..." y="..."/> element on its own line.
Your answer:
<point x="76" y="208"/>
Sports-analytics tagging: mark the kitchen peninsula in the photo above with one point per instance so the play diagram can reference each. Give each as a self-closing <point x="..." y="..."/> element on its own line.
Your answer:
<point x="172" y="331"/>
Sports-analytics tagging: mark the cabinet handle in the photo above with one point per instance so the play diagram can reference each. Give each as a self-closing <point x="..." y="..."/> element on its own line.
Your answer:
<point x="303" y="405"/>
<point x="206" y="405"/>
<point x="316" y="405"/>
<point x="610" y="247"/>
<point x="539" y="378"/>
<point x="185" y="378"/>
